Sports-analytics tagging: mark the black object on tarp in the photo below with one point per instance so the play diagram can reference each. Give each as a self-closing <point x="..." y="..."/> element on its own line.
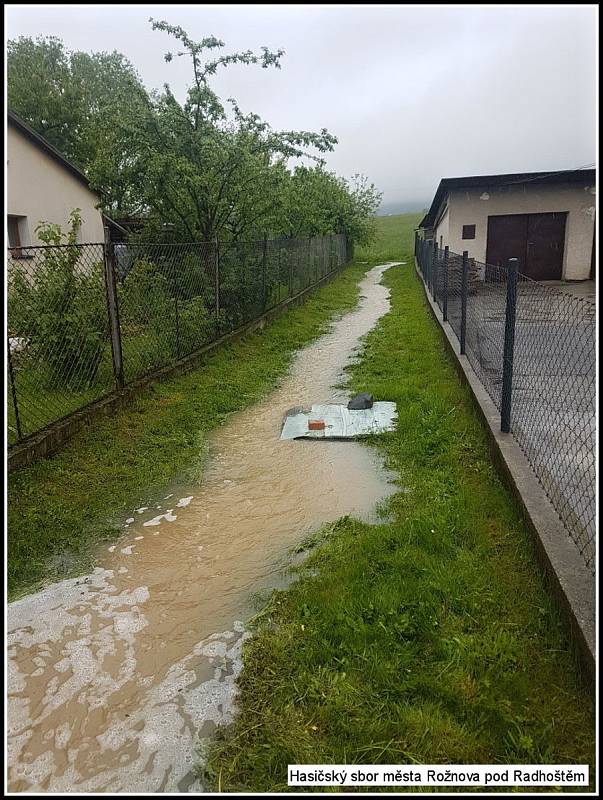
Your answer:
<point x="360" y="401"/>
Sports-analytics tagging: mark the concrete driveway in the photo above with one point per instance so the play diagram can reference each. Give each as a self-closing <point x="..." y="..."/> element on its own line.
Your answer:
<point x="553" y="405"/>
<point x="585" y="289"/>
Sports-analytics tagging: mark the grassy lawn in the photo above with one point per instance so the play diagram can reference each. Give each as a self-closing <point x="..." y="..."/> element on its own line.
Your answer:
<point x="62" y="507"/>
<point x="427" y="638"/>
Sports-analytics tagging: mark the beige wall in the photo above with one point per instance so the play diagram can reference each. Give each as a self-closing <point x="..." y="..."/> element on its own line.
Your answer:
<point x="441" y="232"/>
<point x="474" y="206"/>
<point x="39" y="188"/>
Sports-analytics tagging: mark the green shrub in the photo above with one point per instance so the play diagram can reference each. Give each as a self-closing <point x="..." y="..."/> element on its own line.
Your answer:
<point x="147" y="318"/>
<point x="144" y="298"/>
<point x="196" y="325"/>
<point x="58" y="306"/>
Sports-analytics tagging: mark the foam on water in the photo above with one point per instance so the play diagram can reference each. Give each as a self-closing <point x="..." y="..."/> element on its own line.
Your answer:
<point x="112" y="677"/>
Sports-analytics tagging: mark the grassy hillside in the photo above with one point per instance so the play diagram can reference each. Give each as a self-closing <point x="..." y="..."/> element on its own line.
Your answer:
<point x="394" y="238"/>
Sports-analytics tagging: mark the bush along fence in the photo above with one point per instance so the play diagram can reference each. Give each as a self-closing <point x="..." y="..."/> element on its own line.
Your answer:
<point x="533" y="349"/>
<point x="85" y="320"/>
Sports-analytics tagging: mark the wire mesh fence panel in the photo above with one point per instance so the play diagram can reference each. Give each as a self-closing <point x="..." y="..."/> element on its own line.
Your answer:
<point x="553" y="405"/>
<point x="58" y="334"/>
<point x="553" y="393"/>
<point x="241" y="283"/>
<point x="273" y="291"/>
<point x="298" y="269"/>
<point x="455" y="277"/>
<point x="485" y="331"/>
<point x="195" y="290"/>
<point x="290" y="255"/>
<point x="282" y="271"/>
<point x="147" y="291"/>
<point x="85" y="319"/>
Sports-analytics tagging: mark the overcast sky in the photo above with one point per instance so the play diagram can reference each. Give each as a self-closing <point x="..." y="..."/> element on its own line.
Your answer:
<point x="413" y="93"/>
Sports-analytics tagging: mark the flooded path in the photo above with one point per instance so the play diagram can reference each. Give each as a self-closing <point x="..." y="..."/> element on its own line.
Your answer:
<point x="114" y="675"/>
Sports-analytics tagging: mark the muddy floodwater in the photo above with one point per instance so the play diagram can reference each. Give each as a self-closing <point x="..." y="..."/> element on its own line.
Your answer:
<point x="116" y="677"/>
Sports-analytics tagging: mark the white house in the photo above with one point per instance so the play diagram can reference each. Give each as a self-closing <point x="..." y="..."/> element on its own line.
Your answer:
<point x="42" y="185"/>
<point x="545" y="219"/>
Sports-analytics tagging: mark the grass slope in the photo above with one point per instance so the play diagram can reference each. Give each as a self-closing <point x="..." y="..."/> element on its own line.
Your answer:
<point x="428" y="638"/>
<point x="62" y="507"/>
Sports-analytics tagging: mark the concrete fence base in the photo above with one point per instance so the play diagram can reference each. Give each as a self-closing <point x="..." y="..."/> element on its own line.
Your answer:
<point x="565" y="571"/>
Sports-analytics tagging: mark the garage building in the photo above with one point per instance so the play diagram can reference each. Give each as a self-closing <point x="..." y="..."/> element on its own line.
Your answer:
<point x="545" y="219"/>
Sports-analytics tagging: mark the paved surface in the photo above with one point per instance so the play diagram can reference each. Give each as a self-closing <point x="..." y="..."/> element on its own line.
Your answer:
<point x="571" y="580"/>
<point x="553" y="403"/>
<point x="586" y="289"/>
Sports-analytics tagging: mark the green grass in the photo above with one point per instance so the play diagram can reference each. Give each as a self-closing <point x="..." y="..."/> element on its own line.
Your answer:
<point x="61" y="508"/>
<point x="430" y="637"/>
<point x="394" y="240"/>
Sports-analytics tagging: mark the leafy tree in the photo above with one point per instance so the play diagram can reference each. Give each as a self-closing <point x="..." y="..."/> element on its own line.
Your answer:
<point x="40" y="89"/>
<point x="87" y="105"/>
<point x="207" y="171"/>
<point x="59" y="309"/>
<point x="316" y="202"/>
<point x="194" y="170"/>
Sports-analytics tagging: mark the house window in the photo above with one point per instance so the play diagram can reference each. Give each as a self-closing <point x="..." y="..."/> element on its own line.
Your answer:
<point x="468" y="231"/>
<point x="18" y="236"/>
<point x="14" y="237"/>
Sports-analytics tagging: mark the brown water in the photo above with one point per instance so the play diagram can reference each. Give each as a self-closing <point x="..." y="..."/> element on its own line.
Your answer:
<point x="117" y="677"/>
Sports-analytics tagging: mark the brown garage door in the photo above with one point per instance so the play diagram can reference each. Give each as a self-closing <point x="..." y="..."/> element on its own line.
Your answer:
<point x="537" y="240"/>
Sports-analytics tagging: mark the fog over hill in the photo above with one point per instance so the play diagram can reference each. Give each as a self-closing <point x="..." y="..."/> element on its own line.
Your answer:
<point x="402" y="207"/>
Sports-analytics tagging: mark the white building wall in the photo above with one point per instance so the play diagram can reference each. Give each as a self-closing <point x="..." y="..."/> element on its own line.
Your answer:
<point x="474" y="206"/>
<point x="442" y="230"/>
<point x="40" y="189"/>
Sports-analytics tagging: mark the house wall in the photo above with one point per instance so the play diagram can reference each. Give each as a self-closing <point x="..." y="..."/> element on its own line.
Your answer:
<point x="474" y="206"/>
<point x="39" y="188"/>
<point x="442" y="229"/>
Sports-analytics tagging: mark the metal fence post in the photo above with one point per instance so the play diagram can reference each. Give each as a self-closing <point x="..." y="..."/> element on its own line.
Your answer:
<point x="349" y="249"/>
<point x="264" y="248"/>
<point x="113" y="310"/>
<point x="278" y="241"/>
<point x="445" y="287"/>
<point x="464" y="291"/>
<point x="434" y="277"/>
<point x="176" y="313"/>
<point x="507" y="376"/>
<point x="13" y="390"/>
<point x="217" y="281"/>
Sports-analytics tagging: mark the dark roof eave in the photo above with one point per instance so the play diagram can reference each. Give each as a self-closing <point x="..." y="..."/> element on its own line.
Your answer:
<point x="472" y="181"/>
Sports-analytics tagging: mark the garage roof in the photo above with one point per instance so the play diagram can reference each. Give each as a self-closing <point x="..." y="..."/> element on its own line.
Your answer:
<point x="446" y="184"/>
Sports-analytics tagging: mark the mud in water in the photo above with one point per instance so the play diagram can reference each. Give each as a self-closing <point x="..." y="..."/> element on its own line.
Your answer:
<point x="115" y="675"/>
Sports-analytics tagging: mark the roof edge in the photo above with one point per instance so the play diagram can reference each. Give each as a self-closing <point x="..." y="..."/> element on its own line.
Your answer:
<point x="505" y="179"/>
<point x="49" y="149"/>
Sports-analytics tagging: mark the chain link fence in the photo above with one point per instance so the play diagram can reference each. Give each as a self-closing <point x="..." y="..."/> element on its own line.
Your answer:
<point x="534" y="350"/>
<point x="84" y="320"/>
